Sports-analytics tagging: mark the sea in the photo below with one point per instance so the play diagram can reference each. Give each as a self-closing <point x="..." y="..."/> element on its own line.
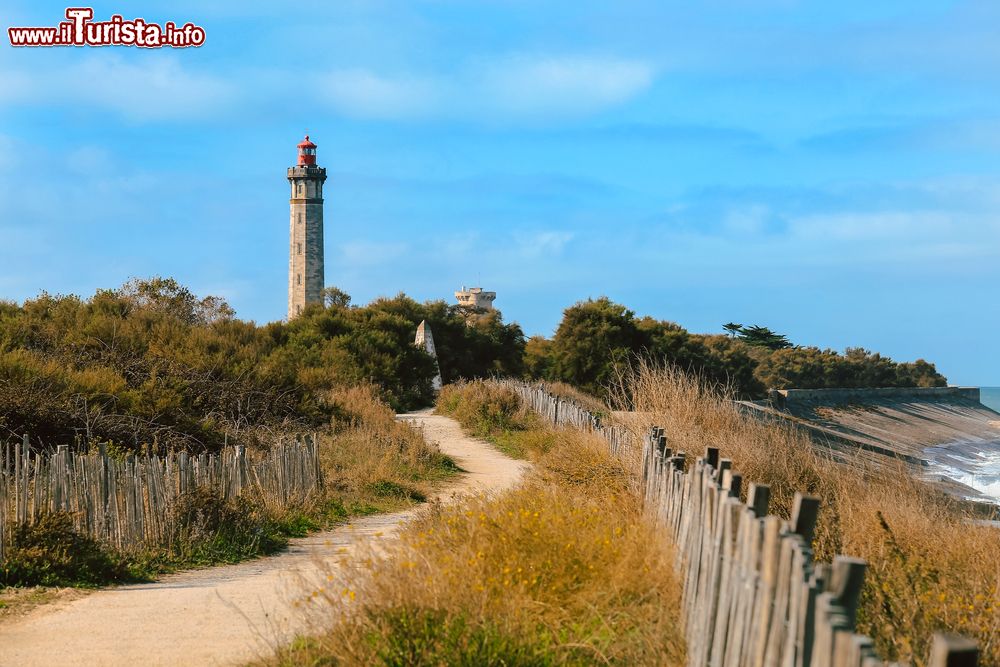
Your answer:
<point x="975" y="464"/>
<point x="990" y="397"/>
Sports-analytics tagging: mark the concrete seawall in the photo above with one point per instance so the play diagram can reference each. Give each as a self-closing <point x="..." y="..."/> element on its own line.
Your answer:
<point x="913" y="425"/>
<point x="835" y="396"/>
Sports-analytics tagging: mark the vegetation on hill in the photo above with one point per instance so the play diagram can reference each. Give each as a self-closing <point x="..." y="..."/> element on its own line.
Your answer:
<point x="370" y="463"/>
<point x="596" y="336"/>
<point x="151" y="364"/>
<point x="812" y="368"/>
<point x="931" y="566"/>
<point x="563" y="570"/>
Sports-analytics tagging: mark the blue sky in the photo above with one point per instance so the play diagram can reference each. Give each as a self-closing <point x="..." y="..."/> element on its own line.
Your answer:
<point x="830" y="170"/>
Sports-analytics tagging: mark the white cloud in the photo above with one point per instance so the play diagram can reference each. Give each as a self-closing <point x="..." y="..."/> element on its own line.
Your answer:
<point x="8" y="153"/>
<point x="366" y="94"/>
<point x="901" y="226"/>
<point x="573" y="85"/>
<point x="542" y="244"/>
<point x="747" y="221"/>
<point x="369" y="253"/>
<point x="157" y="88"/>
<point x="508" y="86"/>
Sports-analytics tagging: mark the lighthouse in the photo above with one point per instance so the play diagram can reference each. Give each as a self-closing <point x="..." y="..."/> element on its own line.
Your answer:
<point x="305" y="253"/>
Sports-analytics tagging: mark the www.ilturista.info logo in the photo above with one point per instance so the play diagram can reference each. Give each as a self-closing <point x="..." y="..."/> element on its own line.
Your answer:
<point x="80" y="30"/>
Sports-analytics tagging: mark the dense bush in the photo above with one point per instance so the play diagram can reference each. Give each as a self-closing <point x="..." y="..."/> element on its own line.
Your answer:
<point x="370" y="463"/>
<point x="49" y="552"/>
<point x="812" y="368"/>
<point x="210" y="529"/>
<point x="152" y="364"/>
<point x="598" y="337"/>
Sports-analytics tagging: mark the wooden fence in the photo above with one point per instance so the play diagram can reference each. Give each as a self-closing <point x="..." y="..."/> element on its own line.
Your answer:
<point x="127" y="502"/>
<point x="753" y="597"/>
<point x="564" y="412"/>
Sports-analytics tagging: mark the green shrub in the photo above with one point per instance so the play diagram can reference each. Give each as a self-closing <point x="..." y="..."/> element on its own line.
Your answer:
<point x="427" y="637"/>
<point x="385" y="488"/>
<point x="494" y="412"/>
<point x="49" y="552"/>
<point x="485" y="408"/>
<point x="209" y="529"/>
<point x="150" y="363"/>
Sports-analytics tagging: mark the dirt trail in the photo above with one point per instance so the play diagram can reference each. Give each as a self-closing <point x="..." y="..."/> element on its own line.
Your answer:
<point x="231" y="614"/>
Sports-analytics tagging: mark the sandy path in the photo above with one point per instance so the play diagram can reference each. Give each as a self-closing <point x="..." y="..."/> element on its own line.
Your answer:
<point x="231" y="614"/>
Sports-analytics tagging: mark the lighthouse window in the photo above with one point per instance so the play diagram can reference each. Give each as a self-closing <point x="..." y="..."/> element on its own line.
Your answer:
<point x="298" y="278"/>
<point x="299" y="247"/>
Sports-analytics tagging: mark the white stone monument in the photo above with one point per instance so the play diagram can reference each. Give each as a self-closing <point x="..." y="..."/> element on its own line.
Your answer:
<point x="425" y="341"/>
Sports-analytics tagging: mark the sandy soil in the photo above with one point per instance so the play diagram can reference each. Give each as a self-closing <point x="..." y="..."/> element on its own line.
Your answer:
<point x="232" y="614"/>
<point x="18" y="602"/>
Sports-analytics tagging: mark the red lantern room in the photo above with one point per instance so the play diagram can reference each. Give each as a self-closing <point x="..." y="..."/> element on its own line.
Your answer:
<point x="307" y="152"/>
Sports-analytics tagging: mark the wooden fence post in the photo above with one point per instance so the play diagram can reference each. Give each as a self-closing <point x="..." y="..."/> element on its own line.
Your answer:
<point x="805" y="510"/>
<point x="712" y="457"/>
<point x="953" y="651"/>
<point x="758" y="498"/>
<point x="847" y="580"/>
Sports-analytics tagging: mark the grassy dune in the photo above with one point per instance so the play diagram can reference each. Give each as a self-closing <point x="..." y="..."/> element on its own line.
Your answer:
<point x="930" y="568"/>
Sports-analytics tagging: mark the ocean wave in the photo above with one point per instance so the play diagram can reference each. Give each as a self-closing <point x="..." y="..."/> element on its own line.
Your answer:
<point x="974" y="464"/>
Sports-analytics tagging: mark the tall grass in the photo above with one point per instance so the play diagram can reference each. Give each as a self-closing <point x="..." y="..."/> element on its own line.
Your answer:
<point x="372" y="462"/>
<point x="495" y="413"/>
<point x="562" y="570"/>
<point x="930" y="567"/>
<point x="569" y="392"/>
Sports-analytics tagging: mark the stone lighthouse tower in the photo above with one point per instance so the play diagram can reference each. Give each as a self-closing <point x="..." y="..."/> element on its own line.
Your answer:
<point x="305" y="255"/>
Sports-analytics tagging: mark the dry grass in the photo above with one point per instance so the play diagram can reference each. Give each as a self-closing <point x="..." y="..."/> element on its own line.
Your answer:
<point x="930" y="569"/>
<point x="563" y="570"/>
<point x="570" y="392"/>
<point x="495" y="413"/>
<point x="371" y="461"/>
<point x="16" y="603"/>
